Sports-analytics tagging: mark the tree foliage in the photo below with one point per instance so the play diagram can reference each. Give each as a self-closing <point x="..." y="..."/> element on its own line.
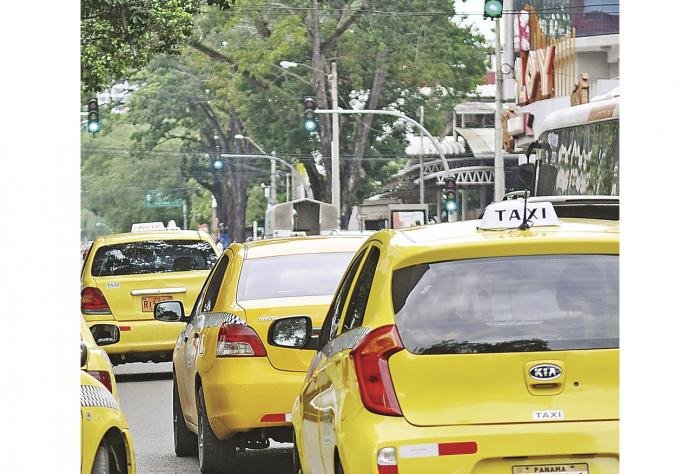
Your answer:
<point x="119" y="37"/>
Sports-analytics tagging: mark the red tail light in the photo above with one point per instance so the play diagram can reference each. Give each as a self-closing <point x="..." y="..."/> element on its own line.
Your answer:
<point x="92" y="301"/>
<point x="237" y="340"/>
<point x="371" y="358"/>
<point x="103" y="377"/>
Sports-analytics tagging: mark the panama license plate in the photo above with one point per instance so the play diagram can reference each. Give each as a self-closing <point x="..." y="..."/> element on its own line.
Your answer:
<point x="149" y="302"/>
<point x="543" y="468"/>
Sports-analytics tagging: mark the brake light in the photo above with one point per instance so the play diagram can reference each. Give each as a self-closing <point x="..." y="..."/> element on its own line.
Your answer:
<point x="237" y="340"/>
<point x="103" y="377"/>
<point x="92" y="301"/>
<point x="371" y="359"/>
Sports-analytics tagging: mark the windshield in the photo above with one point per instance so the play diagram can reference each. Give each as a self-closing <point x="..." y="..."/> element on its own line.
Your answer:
<point x="508" y="304"/>
<point x="153" y="256"/>
<point x="313" y="274"/>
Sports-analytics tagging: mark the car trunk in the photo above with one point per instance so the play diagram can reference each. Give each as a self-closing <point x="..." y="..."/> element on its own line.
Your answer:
<point x="132" y="297"/>
<point x="494" y="388"/>
<point x="261" y="313"/>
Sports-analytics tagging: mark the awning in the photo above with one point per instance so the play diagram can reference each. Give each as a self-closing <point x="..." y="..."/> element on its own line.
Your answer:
<point x="482" y="141"/>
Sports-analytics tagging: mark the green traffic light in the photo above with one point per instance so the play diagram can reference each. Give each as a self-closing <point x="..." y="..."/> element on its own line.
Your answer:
<point x="310" y="125"/>
<point x="493" y="9"/>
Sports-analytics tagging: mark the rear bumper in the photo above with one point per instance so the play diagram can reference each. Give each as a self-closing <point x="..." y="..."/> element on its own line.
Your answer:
<point x="142" y="340"/>
<point x="498" y="447"/>
<point x="239" y="391"/>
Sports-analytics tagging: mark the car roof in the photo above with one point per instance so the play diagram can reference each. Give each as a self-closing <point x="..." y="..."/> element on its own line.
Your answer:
<point x="154" y="235"/>
<point x="468" y="232"/>
<point x="301" y="245"/>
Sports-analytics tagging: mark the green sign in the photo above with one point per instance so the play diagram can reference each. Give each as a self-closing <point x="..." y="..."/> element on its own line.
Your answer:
<point x="159" y="199"/>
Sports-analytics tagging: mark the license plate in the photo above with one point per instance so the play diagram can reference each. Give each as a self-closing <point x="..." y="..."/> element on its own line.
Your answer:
<point x="148" y="302"/>
<point x="540" y="468"/>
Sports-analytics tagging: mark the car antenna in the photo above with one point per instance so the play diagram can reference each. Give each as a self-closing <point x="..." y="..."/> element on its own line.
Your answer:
<point x="525" y="224"/>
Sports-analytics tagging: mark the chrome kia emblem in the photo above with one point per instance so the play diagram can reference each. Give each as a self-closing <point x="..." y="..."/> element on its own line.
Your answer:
<point x="545" y="371"/>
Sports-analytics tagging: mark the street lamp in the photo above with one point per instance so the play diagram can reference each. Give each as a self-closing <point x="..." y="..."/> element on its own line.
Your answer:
<point x="335" y="142"/>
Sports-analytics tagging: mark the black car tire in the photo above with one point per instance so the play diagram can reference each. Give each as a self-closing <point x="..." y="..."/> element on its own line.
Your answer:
<point x="185" y="441"/>
<point x="215" y="456"/>
<point x="101" y="464"/>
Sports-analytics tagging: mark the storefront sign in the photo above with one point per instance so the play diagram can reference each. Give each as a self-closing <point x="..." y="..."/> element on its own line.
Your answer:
<point x="536" y="75"/>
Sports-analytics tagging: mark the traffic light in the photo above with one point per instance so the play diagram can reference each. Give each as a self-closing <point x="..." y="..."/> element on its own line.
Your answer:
<point x="310" y="123"/>
<point x="93" y="118"/>
<point x="493" y="9"/>
<point x="217" y="163"/>
<point x="450" y="195"/>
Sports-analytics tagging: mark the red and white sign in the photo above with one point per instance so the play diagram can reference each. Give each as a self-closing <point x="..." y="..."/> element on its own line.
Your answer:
<point x="536" y="75"/>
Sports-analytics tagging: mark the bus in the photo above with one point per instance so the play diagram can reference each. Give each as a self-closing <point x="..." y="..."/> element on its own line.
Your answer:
<point x="578" y="153"/>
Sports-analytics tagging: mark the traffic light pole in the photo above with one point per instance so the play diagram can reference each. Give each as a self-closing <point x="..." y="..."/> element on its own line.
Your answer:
<point x="498" y="173"/>
<point x="335" y="143"/>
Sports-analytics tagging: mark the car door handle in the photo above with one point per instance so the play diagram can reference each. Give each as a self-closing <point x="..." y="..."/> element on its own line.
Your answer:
<point x="195" y="335"/>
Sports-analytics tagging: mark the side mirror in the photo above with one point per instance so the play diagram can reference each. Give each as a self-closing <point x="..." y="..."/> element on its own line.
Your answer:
<point x="105" y="334"/>
<point x="169" y="311"/>
<point x="293" y="332"/>
<point x="83" y="354"/>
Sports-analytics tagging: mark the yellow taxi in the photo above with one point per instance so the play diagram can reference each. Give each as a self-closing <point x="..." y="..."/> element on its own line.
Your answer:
<point x="105" y="441"/>
<point x="486" y="346"/>
<point x="125" y="275"/>
<point x="98" y="364"/>
<point x="232" y="390"/>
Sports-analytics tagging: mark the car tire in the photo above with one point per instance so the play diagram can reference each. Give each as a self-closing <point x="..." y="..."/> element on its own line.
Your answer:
<point x="215" y="456"/>
<point x="185" y="441"/>
<point x="296" y="462"/>
<point x="338" y="465"/>
<point x="101" y="464"/>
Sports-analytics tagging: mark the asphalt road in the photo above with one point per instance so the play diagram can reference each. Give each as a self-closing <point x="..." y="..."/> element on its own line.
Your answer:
<point x="145" y="392"/>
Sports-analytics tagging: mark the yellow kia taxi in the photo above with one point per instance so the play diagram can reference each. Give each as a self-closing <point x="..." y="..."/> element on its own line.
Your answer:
<point x="125" y="275"/>
<point x="232" y="390"/>
<point x="481" y="347"/>
<point x="98" y="364"/>
<point x="105" y="441"/>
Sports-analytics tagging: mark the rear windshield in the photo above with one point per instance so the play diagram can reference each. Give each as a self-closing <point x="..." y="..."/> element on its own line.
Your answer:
<point x="153" y="256"/>
<point x="508" y="304"/>
<point x="283" y="276"/>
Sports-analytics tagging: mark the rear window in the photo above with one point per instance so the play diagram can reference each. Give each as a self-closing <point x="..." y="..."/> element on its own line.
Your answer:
<point x="153" y="256"/>
<point x="508" y="304"/>
<point x="283" y="276"/>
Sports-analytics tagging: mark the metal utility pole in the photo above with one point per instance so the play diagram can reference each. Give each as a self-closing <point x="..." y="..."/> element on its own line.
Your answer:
<point x="335" y="143"/>
<point x="498" y="172"/>
<point x="273" y="181"/>
<point x="422" y="184"/>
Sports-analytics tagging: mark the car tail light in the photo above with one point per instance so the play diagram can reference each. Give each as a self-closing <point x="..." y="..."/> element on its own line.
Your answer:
<point x="386" y="461"/>
<point x="102" y="376"/>
<point x="371" y="358"/>
<point x="237" y="340"/>
<point x="92" y="301"/>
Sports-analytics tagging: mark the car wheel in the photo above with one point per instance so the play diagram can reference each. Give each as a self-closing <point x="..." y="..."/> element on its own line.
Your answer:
<point x="101" y="463"/>
<point x="185" y="440"/>
<point x="296" y="462"/>
<point x="215" y="456"/>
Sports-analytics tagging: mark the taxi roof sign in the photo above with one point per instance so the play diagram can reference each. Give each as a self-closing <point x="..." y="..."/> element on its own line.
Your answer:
<point x="147" y="226"/>
<point x="509" y="215"/>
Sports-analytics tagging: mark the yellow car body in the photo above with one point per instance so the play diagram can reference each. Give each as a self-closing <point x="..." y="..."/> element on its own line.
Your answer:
<point x="124" y="275"/>
<point x="98" y="364"/>
<point x="456" y="349"/>
<point x="104" y="432"/>
<point x="231" y="387"/>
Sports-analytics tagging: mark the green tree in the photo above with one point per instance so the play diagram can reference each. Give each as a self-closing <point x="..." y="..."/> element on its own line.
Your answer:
<point x="119" y="37"/>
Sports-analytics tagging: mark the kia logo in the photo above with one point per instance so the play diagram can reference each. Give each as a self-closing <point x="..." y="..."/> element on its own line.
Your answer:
<point x="545" y="371"/>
